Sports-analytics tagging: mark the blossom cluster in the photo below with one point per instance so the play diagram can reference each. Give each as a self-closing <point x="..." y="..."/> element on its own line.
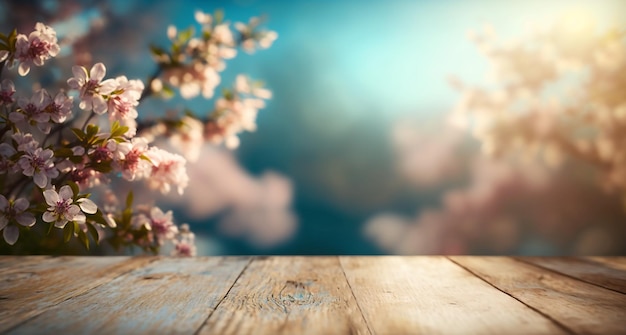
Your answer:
<point x="193" y="64"/>
<point x="557" y="93"/>
<point x="62" y="152"/>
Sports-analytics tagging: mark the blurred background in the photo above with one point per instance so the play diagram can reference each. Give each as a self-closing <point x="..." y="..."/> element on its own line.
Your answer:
<point x="375" y="140"/>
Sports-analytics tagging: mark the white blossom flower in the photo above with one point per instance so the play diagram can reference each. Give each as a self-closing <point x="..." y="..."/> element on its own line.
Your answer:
<point x="184" y="248"/>
<point x="31" y="111"/>
<point x="59" y="108"/>
<point x="6" y="151"/>
<point x="189" y="138"/>
<point x="161" y="225"/>
<point x="128" y="158"/>
<point x="25" y="142"/>
<point x="193" y="79"/>
<point x="35" y="49"/>
<point x="63" y="208"/>
<point x="185" y="244"/>
<point x="92" y="89"/>
<point x="39" y="165"/>
<point x="12" y="212"/>
<point x="7" y="89"/>
<point x="168" y="170"/>
<point x="202" y="18"/>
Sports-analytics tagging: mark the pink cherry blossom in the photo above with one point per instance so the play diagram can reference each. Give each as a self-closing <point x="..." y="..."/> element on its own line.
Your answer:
<point x="6" y="151"/>
<point x="63" y="208"/>
<point x="12" y="212"/>
<point x="122" y="106"/>
<point x="7" y="89"/>
<point x="25" y="142"/>
<point x="39" y="165"/>
<point x="193" y="79"/>
<point x="128" y="158"/>
<point x="184" y="248"/>
<point x="31" y="111"/>
<point x="59" y="108"/>
<point x="92" y="89"/>
<point x="161" y="225"/>
<point x="35" y="49"/>
<point x="189" y="138"/>
<point x="168" y="170"/>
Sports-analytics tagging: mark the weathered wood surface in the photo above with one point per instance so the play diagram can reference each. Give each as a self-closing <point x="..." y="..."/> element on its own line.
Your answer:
<point x="312" y="295"/>
<point x="288" y="296"/>
<point x="26" y="290"/>
<point x="578" y="306"/>
<point x="431" y="295"/>
<point x="593" y="272"/>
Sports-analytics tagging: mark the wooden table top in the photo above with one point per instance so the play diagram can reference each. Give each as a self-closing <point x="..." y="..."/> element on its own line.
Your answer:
<point x="313" y="295"/>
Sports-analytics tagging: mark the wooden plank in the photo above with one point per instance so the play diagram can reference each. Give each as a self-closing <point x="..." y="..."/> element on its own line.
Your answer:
<point x="586" y="270"/>
<point x="612" y="262"/>
<point x="581" y="307"/>
<point x="169" y="296"/>
<point x="31" y="289"/>
<point x="432" y="295"/>
<point x="11" y="262"/>
<point x="289" y="295"/>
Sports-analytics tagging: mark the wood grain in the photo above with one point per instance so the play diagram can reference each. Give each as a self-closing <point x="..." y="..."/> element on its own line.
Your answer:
<point x="431" y="295"/>
<point x="33" y="287"/>
<point x="169" y="296"/>
<point x="579" y="306"/>
<point x="289" y="295"/>
<point x="585" y="270"/>
<point x="612" y="262"/>
<point x="8" y="263"/>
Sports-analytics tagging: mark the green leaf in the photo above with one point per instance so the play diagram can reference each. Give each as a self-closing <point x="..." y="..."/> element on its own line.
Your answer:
<point x="219" y="16"/>
<point x="83" y="238"/>
<point x="167" y="92"/>
<point x="63" y="152"/>
<point x="185" y="35"/>
<point x="92" y="130"/>
<point x="93" y="232"/>
<point x="104" y="167"/>
<point x="68" y="231"/>
<point x="157" y="51"/>
<point x="145" y="158"/>
<point x="80" y="135"/>
<point x="129" y="199"/>
<point x="74" y="188"/>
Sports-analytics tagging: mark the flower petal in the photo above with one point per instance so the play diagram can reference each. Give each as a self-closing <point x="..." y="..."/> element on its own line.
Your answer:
<point x="48" y="217"/>
<point x="40" y="179"/>
<point x="20" y="205"/>
<point x="3" y="221"/>
<point x="60" y="224"/>
<point x="99" y="105"/>
<point x="66" y="192"/>
<point x="87" y="206"/>
<point x="80" y="218"/>
<point x="26" y="219"/>
<point x="73" y="210"/>
<point x="11" y="233"/>
<point x="52" y="197"/>
<point x="23" y="70"/>
<point x="80" y="73"/>
<point x="108" y="86"/>
<point x="97" y="72"/>
<point x="4" y="204"/>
